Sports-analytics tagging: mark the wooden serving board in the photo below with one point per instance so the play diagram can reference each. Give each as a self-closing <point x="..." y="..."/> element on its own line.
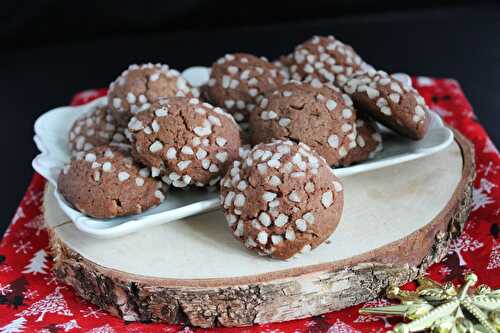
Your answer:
<point x="396" y="222"/>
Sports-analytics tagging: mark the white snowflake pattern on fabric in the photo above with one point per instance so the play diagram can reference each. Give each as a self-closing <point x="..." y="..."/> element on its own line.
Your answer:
<point x="489" y="147"/>
<point x="464" y="243"/>
<point x="91" y="312"/>
<point x="68" y="326"/>
<point x="6" y="268"/>
<point x="51" y="279"/>
<point x="445" y="270"/>
<point x="15" y="326"/>
<point x="30" y="294"/>
<point x="52" y="303"/>
<point x="102" y="329"/>
<point x="486" y="185"/>
<point x="480" y="195"/>
<point x="340" y="327"/>
<point x="372" y="318"/>
<point x="494" y="261"/>
<point x="488" y="168"/>
<point x="37" y="223"/>
<point x="5" y="289"/>
<point x="22" y="247"/>
<point x="18" y="215"/>
<point x="7" y="232"/>
<point x="33" y="198"/>
<point x="38" y="264"/>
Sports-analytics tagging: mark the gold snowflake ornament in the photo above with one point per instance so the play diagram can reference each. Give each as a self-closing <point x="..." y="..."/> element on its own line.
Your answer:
<point x="442" y="308"/>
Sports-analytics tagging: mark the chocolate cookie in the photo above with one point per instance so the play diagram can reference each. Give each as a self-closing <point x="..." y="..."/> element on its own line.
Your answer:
<point x="319" y="116"/>
<point x="391" y="102"/>
<point x="368" y="142"/>
<point x="94" y="129"/>
<point x="325" y="59"/>
<point x="186" y="141"/>
<point x="106" y="183"/>
<point x="283" y="64"/>
<point x="139" y="86"/>
<point x="238" y="81"/>
<point x="283" y="199"/>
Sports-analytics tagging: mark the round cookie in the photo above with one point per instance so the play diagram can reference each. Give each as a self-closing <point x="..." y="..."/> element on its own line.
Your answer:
<point x="391" y="102"/>
<point x="325" y="59"/>
<point x="283" y="199"/>
<point x="319" y="116"/>
<point x="186" y="141"/>
<point x="139" y="86"/>
<point x="368" y="142"/>
<point x="238" y="81"/>
<point x="96" y="128"/>
<point x="106" y="183"/>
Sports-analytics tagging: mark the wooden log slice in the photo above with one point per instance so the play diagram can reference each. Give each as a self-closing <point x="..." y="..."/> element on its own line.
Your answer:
<point x="396" y="222"/>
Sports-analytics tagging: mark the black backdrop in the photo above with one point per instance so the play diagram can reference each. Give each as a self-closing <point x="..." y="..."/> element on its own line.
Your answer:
<point x="52" y="49"/>
<point x="43" y="22"/>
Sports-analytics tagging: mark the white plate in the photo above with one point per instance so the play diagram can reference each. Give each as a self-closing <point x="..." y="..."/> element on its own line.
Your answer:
<point x="51" y="133"/>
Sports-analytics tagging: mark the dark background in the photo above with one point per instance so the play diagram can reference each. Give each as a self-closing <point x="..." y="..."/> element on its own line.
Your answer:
<point x="50" y="50"/>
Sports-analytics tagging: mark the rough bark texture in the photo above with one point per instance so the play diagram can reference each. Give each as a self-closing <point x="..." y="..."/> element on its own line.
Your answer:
<point x="270" y="298"/>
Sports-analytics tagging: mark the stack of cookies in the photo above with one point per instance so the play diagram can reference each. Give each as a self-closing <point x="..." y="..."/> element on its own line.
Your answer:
<point x="267" y="133"/>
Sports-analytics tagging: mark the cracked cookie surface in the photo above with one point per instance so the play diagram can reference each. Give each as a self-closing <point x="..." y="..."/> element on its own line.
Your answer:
<point x="316" y="114"/>
<point x="185" y="141"/>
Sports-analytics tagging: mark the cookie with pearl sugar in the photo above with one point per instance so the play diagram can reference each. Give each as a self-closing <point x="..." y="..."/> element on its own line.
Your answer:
<point x="314" y="113"/>
<point x="326" y="59"/>
<point x="185" y="141"/>
<point x="283" y="64"/>
<point x="368" y="142"/>
<point x="282" y="199"/>
<point x="93" y="129"/>
<point x="389" y="101"/>
<point x="107" y="183"/>
<point x="141" y="85"/>
<point x="238" y="81"/>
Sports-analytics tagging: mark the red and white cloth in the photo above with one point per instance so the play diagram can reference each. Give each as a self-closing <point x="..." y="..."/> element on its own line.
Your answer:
<point x="32" y="300"/>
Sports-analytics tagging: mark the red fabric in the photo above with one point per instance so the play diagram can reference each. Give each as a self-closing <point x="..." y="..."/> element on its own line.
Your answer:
<point x="31" y="300"/>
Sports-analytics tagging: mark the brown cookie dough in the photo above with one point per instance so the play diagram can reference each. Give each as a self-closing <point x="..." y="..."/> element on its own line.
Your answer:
<point x="238" y="81"/>
<point x="319" y="116"/>
<point x="94" y="129"/>
<point x="139" y="86"/>
<point x="283" y="64"/>
<point x="283" y="199"/>
<point x="391" y="102"/>
<point x="186" y="141"/>
<point x="368" y="142"/>
<point x="325" y="59"/>
<point x="106" y="183"/>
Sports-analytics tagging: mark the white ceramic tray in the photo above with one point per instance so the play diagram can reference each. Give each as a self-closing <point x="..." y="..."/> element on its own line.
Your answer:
<point x="51" y="133"/>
